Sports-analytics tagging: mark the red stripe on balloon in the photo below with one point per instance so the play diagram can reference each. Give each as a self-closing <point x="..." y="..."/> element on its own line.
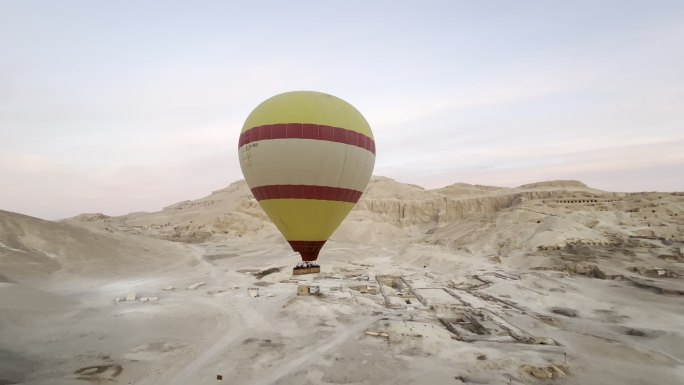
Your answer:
<point x="289" y="191"/>
<point x="306" y="131"/>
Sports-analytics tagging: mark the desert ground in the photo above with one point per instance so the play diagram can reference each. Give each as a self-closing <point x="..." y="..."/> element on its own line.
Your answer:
<point x="547" y="283"/>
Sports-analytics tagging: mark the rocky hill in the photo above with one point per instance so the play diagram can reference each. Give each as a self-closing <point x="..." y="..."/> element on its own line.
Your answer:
<point x="547" y="282"/>
<point x="471" y="218"/>
<point x="32" y="248"/>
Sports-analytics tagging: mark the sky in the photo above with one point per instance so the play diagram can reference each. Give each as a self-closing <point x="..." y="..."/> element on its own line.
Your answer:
<point x="124" y="106"/>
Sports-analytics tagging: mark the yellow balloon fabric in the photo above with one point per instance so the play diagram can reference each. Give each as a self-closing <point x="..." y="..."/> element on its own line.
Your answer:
<point x="308" y="107"/>
<point x="307" y="157"/>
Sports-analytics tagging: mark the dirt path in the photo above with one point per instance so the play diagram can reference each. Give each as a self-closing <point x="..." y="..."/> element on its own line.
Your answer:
<point x="185" y="376"/>
<point x="316" y="351"/>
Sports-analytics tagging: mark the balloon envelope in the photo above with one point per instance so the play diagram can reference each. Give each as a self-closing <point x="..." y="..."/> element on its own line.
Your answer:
<point x="307" y="157"/>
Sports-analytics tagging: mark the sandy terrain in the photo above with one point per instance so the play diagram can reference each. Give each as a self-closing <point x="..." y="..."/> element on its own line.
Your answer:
<point x="550" y="283"/>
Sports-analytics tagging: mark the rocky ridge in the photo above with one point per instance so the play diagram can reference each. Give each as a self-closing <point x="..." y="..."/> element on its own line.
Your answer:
<point x="465" y="217"/>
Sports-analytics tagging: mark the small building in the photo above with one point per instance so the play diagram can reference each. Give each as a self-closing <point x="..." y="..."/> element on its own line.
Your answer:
<point x="253" y="291"/>
<point x="303" y="290"/>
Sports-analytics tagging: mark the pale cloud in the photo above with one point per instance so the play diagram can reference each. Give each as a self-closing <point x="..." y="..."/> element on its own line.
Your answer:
<point x="484" y="95"/>
<point x="96" y="117"/>
<point x="42" y="187"/>
<point x="609" y="168"/>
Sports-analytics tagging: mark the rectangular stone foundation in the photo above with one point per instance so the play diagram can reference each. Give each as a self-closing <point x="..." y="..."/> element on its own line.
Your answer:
<point x="310" y="270"/>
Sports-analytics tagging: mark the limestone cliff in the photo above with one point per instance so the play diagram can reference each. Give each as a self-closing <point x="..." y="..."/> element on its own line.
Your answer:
<point x="472" y="217"/>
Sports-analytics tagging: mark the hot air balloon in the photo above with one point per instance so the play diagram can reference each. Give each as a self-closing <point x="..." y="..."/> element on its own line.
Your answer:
<point x="307" y="158"/>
